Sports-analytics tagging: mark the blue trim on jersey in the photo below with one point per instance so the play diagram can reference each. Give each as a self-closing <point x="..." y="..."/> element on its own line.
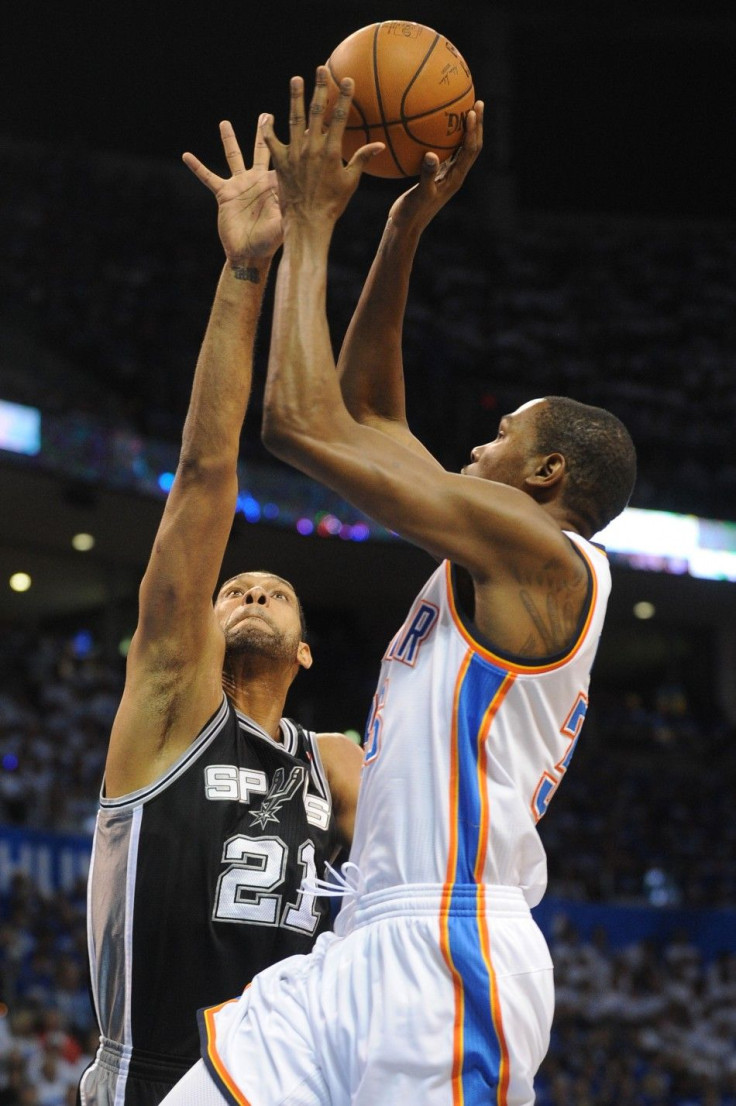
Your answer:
<point x="482" y="1050"/>
<point x="481" y="684"/>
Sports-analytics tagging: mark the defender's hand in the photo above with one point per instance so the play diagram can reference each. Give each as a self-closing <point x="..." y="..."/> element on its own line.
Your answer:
<point x="249" y="217"/>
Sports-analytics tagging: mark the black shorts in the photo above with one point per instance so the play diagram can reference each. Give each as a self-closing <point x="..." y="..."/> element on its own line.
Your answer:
<point x="140" y="1079"/>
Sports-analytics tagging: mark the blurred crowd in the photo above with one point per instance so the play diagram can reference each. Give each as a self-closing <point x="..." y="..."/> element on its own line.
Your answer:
<point x="48" y="1032"/>
<point x="636" y="817"/>
<point x="57" y="702"/>
<point x="111" y="265"/>
<point x="643" y="1025"/>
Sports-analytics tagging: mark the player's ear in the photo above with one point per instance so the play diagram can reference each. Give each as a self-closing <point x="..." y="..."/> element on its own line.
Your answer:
<point x="548" y="473"/>
<point x="304" y="655"/>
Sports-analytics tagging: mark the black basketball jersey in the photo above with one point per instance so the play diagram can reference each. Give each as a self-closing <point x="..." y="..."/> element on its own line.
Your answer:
<point x="194" y="882"/>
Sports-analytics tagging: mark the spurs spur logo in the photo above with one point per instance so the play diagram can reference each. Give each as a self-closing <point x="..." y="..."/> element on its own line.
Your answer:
<point x="280" y="792"/>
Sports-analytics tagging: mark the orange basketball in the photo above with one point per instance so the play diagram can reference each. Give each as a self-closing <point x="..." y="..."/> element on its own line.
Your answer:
<point x="413" y="91"/>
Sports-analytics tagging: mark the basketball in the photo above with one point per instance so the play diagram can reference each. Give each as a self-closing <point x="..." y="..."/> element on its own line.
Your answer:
<point x="413" y="91"/>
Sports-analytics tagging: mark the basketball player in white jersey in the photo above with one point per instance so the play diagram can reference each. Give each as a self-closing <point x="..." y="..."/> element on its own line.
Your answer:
<point x="214" y="807"/>
<point x="436" y="987"/>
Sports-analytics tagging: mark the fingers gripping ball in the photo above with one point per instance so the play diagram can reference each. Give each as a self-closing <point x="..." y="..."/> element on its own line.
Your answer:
<point x="413" y="91"/>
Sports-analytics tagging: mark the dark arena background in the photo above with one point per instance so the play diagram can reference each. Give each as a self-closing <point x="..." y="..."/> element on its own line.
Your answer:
<point x="592" y="252"/>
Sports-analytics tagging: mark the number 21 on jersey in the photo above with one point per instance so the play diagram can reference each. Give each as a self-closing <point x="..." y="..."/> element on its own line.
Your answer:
<point x="247" y="891"/>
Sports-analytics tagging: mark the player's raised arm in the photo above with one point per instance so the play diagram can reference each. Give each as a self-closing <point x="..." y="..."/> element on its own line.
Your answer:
<point x="169" y="691"/>
<point x="480" y="525"/>
<point x="370" y="363"/>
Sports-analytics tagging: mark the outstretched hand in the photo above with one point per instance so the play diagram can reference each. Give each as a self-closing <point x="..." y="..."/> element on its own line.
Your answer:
<point x="249" y="216"/>
<point x="314" y="184"/>
<point x="438" y="182"/>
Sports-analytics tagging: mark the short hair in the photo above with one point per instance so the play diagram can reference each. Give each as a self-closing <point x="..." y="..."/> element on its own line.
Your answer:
<point x="599" y="454"/>
<point x="265" y="572"/>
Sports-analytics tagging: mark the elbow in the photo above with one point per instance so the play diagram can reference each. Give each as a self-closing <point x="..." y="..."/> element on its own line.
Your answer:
<point x="279" y="434"/>
<point x="298" y="432"/>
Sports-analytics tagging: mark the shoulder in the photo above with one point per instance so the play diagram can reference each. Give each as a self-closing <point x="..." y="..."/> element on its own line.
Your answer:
<point x="336" y="747"/>
<point x="342" y="760"/>
<point x="531" y="605"/>
<point x="343" y="764"/>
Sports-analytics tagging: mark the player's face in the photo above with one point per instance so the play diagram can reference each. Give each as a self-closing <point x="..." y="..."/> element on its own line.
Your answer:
<point x="259" y="613"/>
<point x="510" y="457"/>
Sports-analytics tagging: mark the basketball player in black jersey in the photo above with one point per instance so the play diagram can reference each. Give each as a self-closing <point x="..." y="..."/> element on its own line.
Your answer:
<point x="213" y="806"/>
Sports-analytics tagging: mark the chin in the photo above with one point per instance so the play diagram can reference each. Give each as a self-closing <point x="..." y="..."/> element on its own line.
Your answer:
<point x="249" y="639"/>
<point x="259" y="643"/>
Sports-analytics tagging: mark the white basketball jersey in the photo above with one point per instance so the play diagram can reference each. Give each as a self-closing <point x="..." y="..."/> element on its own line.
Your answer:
<point x="465" y="747"/>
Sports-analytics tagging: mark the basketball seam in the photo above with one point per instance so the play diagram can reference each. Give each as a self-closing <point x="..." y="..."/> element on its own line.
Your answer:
<point x="447" y="104"/>
<point x="379" y="98"/>
<point x="413" y="119"/>
<point x="418" y="70"/>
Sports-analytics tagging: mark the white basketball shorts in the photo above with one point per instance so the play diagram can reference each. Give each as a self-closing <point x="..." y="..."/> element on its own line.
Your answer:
<point x="426" y="996"/>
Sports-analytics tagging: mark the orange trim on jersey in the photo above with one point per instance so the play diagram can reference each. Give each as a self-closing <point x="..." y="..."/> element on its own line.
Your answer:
<point x="213" y="1056"/>
<point x="457" y="982"/>
<point x="515" y="666"/>
<point x="483" y="731"/>
<point x="533" y="804"/>
<point x="483" y="931"/>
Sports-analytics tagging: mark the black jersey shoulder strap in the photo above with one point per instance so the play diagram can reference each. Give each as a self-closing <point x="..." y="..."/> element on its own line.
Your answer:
<point x="306" y="746"/>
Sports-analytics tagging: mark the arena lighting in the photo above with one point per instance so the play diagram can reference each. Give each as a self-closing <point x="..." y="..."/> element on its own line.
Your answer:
<point x="83" y="542"/>
<point x="249" y="506"/>
<point x="20" y="428"/>
<point x="646" y="540"/>
<point x="660" y="541"/>
<point x="20" y="581"/>
<point x="83" y="644"/>
<point x="644" y="610"/>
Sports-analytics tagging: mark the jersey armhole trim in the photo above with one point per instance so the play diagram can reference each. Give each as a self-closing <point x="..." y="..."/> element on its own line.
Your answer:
<point x="208" y="1047"/>
<point x="510" y="662"/>
<point x="206" y="735"/>
<point x="317" y="768"/>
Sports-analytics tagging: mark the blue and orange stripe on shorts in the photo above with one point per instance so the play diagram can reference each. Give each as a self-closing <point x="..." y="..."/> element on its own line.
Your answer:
<point x="480" y="1055"/>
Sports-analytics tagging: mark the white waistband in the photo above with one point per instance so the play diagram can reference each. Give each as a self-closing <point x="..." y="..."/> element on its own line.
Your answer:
<point x="437" y="899"/>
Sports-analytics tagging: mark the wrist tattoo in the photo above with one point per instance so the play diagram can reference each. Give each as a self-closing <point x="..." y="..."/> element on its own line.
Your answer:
<point x="246" y="272"/>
